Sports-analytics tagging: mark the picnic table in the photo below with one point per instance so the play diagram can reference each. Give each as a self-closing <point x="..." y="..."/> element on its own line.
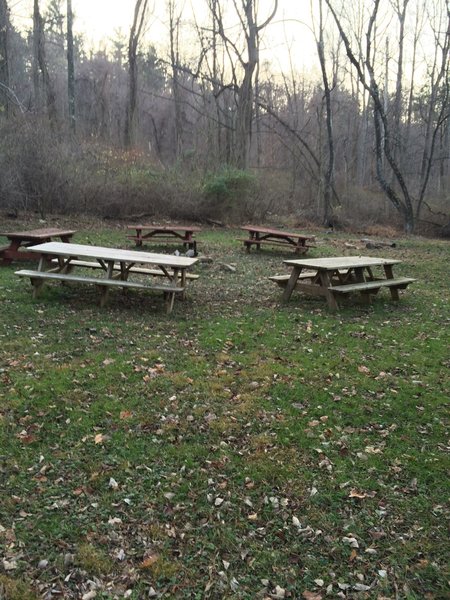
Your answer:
<point x="57" y="261"/>
<point x="341" y="275"/>
<point x="183" y="234"/>
<point x="264" y="235"/>
<point x="23" y="239"/>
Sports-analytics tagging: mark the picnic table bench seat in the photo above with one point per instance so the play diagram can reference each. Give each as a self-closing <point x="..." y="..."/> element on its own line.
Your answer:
<point x="282" y="280"/>
<point x="372" y="286"/>
<point x="137" y="270"/>
<point x="157" y="240"/>
<point x="259" y="236"/>
<point x="300" y="249"/>
<point x="168" y="290"/>
<point x="152" y="233"/>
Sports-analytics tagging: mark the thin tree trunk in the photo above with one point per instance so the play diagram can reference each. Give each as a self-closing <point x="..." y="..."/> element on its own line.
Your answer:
<point x="40" y="69"/>
<point x="140" y="11"/>
<point x="4" y="64"/>
<point x="174" y="59"/>
<point x="70" y="67"/>
<point x="329" y="171"/>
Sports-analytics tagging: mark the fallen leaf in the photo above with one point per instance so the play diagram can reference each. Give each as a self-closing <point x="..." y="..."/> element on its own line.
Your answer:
<point x="149" y="561"/>
<point x="311" y="595"/>
<point x="355" y="494"/>
<point x="361" y="495"/>
<point x="351" y="541"/>
<point x="113" y="483"/>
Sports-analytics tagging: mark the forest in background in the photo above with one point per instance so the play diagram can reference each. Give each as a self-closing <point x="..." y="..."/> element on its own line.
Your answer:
<point x="208" y="130"/>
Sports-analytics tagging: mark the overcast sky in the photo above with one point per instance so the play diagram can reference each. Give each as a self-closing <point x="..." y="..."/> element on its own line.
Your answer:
<point x="99" y="19"/>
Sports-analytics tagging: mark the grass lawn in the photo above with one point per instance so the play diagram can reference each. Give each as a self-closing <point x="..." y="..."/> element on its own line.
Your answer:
<point x="236" y="448"/>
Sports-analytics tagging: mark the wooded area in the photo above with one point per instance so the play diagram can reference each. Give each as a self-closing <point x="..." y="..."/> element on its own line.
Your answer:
<point x="208" y="129"/>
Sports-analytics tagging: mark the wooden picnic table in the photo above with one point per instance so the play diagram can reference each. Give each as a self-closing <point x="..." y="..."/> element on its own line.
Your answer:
<point x="264" y="235"/>
<point x="341" y="275"/>
<point x="18" y="240"/>
<point x="158" y="234"/>
<point x="58" y="261"/>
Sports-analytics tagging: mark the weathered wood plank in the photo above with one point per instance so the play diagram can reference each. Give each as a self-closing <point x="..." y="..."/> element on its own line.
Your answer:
<point x="97" y="281"/>
<point x="138" y="270"/>
<point x="275" y="242"/>
<point x="400" y="282"/>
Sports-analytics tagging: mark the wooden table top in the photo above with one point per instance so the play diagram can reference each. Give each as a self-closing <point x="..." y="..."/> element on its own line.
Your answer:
<point x="165" y="227"/>
<point x="279" y="232"/>
<point x="112" y="254"/>
<point x="38" y="234"/>
<point x="340" y="262"/>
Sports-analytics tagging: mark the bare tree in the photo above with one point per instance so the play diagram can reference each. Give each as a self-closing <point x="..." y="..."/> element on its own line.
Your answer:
<point x="41" y="76"/>
<point x="70" y="67"/>
<point x="438" y="110"/>
<point x="4" y="64"/>
<point x="174" y="26"/>
<point x="383" y="143"/>
<point x="400" y="10"/>
<point x="248" y="61"/>
<point x="140" y="13"/>
<point x="328" y="177"/>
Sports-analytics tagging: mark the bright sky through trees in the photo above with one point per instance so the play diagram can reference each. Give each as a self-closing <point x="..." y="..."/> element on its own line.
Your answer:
<point x="99" y="20"/>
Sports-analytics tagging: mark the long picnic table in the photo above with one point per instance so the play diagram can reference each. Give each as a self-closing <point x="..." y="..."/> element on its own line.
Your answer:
<point x="57" y="261"/>
<point x="338" y="276"/>
<point x="19" y="242"/>
<point x="159" y="234"/>
<point x="276" y="237"/>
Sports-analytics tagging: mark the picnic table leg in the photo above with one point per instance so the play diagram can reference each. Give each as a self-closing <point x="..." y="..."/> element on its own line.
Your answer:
<point x="359" y="278"/>
<point x="11" y="252"/>
<point x="325" y="283"/>
<point x="66" y="238"/>
<point x="169" y="298"/>
<point x="291" y="283"/>
<point x="300" y="247"/>
<point x="183" y="283"/>
<point x="104" y="293"/>
<point x="139" y="237"/>
<point x="390" y="275"/>
<point x="37" y="286"/>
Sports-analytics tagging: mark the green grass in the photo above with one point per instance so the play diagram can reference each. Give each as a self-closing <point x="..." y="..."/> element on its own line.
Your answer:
<point x="180" y="452"/>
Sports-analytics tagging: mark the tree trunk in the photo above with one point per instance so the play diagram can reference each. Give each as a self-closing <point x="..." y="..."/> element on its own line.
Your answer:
<point x="174" y="59"/>
<point x="140" y="11"/>
<point x="70" y="67"/>
<point x="4" y="64"/>
<point x="329" y="171"/>
<point x="383" y="143"/>
<point x="245" y="89"/>
<point x="41" y="75"/>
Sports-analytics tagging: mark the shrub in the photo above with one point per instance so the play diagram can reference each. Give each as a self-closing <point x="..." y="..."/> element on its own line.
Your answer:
<point x="227" y="191"/>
